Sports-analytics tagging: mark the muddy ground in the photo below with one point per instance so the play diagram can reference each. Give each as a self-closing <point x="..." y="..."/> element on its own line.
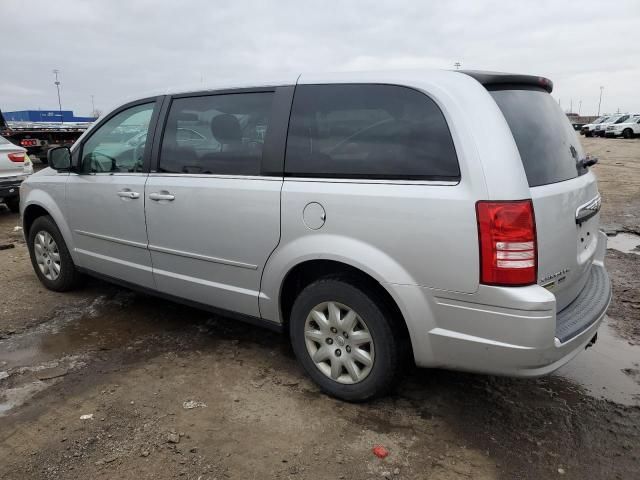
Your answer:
<point x="130" y="362"/>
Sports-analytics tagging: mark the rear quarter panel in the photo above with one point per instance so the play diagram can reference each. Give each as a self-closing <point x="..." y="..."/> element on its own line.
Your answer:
<point x="402" y="233"/>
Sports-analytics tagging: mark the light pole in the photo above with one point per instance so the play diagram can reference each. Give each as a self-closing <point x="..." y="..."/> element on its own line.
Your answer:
<point x="457" y="65"/>
<point x="57" y="84"/>
<point x="93" y="107"/>
<point x="579" y="107"/>
<point x="600" y="101"/>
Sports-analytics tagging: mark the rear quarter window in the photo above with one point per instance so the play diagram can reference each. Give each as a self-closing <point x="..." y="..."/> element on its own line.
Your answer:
<point x="368" y="131"/>
<point x="548" y="145"/>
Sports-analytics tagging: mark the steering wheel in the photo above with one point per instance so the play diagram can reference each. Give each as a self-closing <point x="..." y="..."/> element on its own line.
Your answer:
<point x="98" y="166"/>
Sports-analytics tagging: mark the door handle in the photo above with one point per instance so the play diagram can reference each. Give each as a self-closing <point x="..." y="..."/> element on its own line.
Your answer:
<point x="162" y="196"/>
<point x="128" y="194"/>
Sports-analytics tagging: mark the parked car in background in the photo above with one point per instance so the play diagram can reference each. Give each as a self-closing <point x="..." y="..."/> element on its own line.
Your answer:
<point x="414" y="219"/>
<point x="15" y="166"/>
<point x="627" y="129"/>
<point x="588" y="129"/>
<point x="601" y="128"/>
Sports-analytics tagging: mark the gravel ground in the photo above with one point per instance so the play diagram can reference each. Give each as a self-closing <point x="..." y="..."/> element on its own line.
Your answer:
<point x="107" y="383"/>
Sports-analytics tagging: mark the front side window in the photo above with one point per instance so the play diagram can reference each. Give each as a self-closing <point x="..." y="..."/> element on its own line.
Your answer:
<point x="216" y="134"/>
<point x="368" y="131"/>
<point x="118" y="145"/>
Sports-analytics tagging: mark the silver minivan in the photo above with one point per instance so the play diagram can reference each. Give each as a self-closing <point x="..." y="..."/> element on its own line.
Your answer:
<point x="448" y="218"/>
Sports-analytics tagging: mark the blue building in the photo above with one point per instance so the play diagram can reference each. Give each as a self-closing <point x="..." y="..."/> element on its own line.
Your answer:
<point x="55" y="116"/>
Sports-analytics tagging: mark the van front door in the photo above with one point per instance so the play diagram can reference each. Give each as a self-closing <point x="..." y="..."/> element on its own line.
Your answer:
<point x="105" y="199"/>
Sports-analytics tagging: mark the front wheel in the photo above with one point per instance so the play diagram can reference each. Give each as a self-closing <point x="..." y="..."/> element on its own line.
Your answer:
<point x="50" y="257"/>
<point x="345" y="339"/>
<point x="627" y="133"/>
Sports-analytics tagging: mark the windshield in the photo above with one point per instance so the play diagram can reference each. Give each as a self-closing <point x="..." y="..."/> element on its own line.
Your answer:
<point x="622" y="119"/>
<point x="600" y="120"/>
<point x="548" y="145"/>
<point x="612" y="119"/>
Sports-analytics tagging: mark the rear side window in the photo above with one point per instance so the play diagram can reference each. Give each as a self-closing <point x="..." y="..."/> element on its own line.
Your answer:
<point x="4" y="141"/>
<point x="548" y="145"/>
<point x="216" y="134"/>
<point x="368" y="131"/>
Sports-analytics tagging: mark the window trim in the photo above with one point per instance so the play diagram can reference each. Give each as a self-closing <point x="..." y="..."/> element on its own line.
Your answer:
<point x="274" y="147"/>
<point x="157" y="101"/>
<point x="380" y="178"/>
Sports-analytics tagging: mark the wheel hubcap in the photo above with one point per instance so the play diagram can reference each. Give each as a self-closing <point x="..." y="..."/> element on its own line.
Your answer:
<point x="47" y="255"/>
<point x="346" y="357"/>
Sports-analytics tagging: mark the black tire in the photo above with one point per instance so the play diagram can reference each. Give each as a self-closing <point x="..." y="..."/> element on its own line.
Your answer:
<point x="68" y="276"/>
<point x="387" y="339"/>
<point x="588" y="134"/>
<point x="13" y="204"/>
<point x="627" y="133"/>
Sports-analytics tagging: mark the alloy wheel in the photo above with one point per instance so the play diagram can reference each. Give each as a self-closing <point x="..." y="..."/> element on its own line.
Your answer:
<point x="47" y="255"/>
<point x="339" y="342"/>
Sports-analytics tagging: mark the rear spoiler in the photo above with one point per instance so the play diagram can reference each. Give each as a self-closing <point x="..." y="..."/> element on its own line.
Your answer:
<point x="498" y="78"/>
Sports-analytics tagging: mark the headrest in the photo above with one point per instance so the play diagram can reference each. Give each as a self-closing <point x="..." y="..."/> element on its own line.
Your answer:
<point x="226" y="128"/>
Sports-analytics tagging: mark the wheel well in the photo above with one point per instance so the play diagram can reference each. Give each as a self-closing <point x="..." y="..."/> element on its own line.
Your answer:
<point x="30" y="214"/>
<point x="307" y="272"/>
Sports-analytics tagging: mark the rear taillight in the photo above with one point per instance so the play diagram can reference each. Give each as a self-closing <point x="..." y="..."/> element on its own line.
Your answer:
<point x="508" y="249"/>
<point x="16" y="157"/>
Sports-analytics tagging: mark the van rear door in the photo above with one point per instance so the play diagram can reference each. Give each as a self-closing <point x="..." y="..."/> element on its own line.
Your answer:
<point x="564" y="193"/>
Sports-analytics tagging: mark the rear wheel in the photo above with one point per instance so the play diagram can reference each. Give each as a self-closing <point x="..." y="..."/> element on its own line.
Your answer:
<point x="50" y="257"/>
<point x="13" y="204"/>
<point x="627" y="133"/>
<point x="345" y="339"/>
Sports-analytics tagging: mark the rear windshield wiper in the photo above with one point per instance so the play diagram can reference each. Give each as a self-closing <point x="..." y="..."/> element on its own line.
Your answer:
<point x="588" y="161"/>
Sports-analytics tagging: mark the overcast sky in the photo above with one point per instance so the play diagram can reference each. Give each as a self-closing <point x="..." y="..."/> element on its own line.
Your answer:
<point x="119" y="49"/>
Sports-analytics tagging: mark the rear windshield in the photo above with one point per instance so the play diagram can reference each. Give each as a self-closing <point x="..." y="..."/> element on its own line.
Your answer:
<point x="548" y="145"/>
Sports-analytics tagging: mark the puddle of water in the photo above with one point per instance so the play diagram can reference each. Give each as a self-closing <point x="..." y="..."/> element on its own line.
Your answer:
<point x="102" y="324"/>
<point x="14" y="397"/>
<point x="625" y="242"/>
<point x="34" y="360"/>
<point x="610" y="369"/>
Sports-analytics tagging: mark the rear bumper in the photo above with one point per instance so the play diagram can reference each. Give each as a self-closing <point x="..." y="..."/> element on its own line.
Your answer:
<point x="524" y="336"/>
<point x="10" y="187"/>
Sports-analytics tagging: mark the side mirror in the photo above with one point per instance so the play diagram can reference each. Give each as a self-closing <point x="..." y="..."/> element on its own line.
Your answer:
<point x="59" y="158"/>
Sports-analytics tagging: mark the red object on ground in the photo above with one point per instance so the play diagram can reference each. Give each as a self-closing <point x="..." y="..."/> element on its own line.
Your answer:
<point x="379" y="451"/>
